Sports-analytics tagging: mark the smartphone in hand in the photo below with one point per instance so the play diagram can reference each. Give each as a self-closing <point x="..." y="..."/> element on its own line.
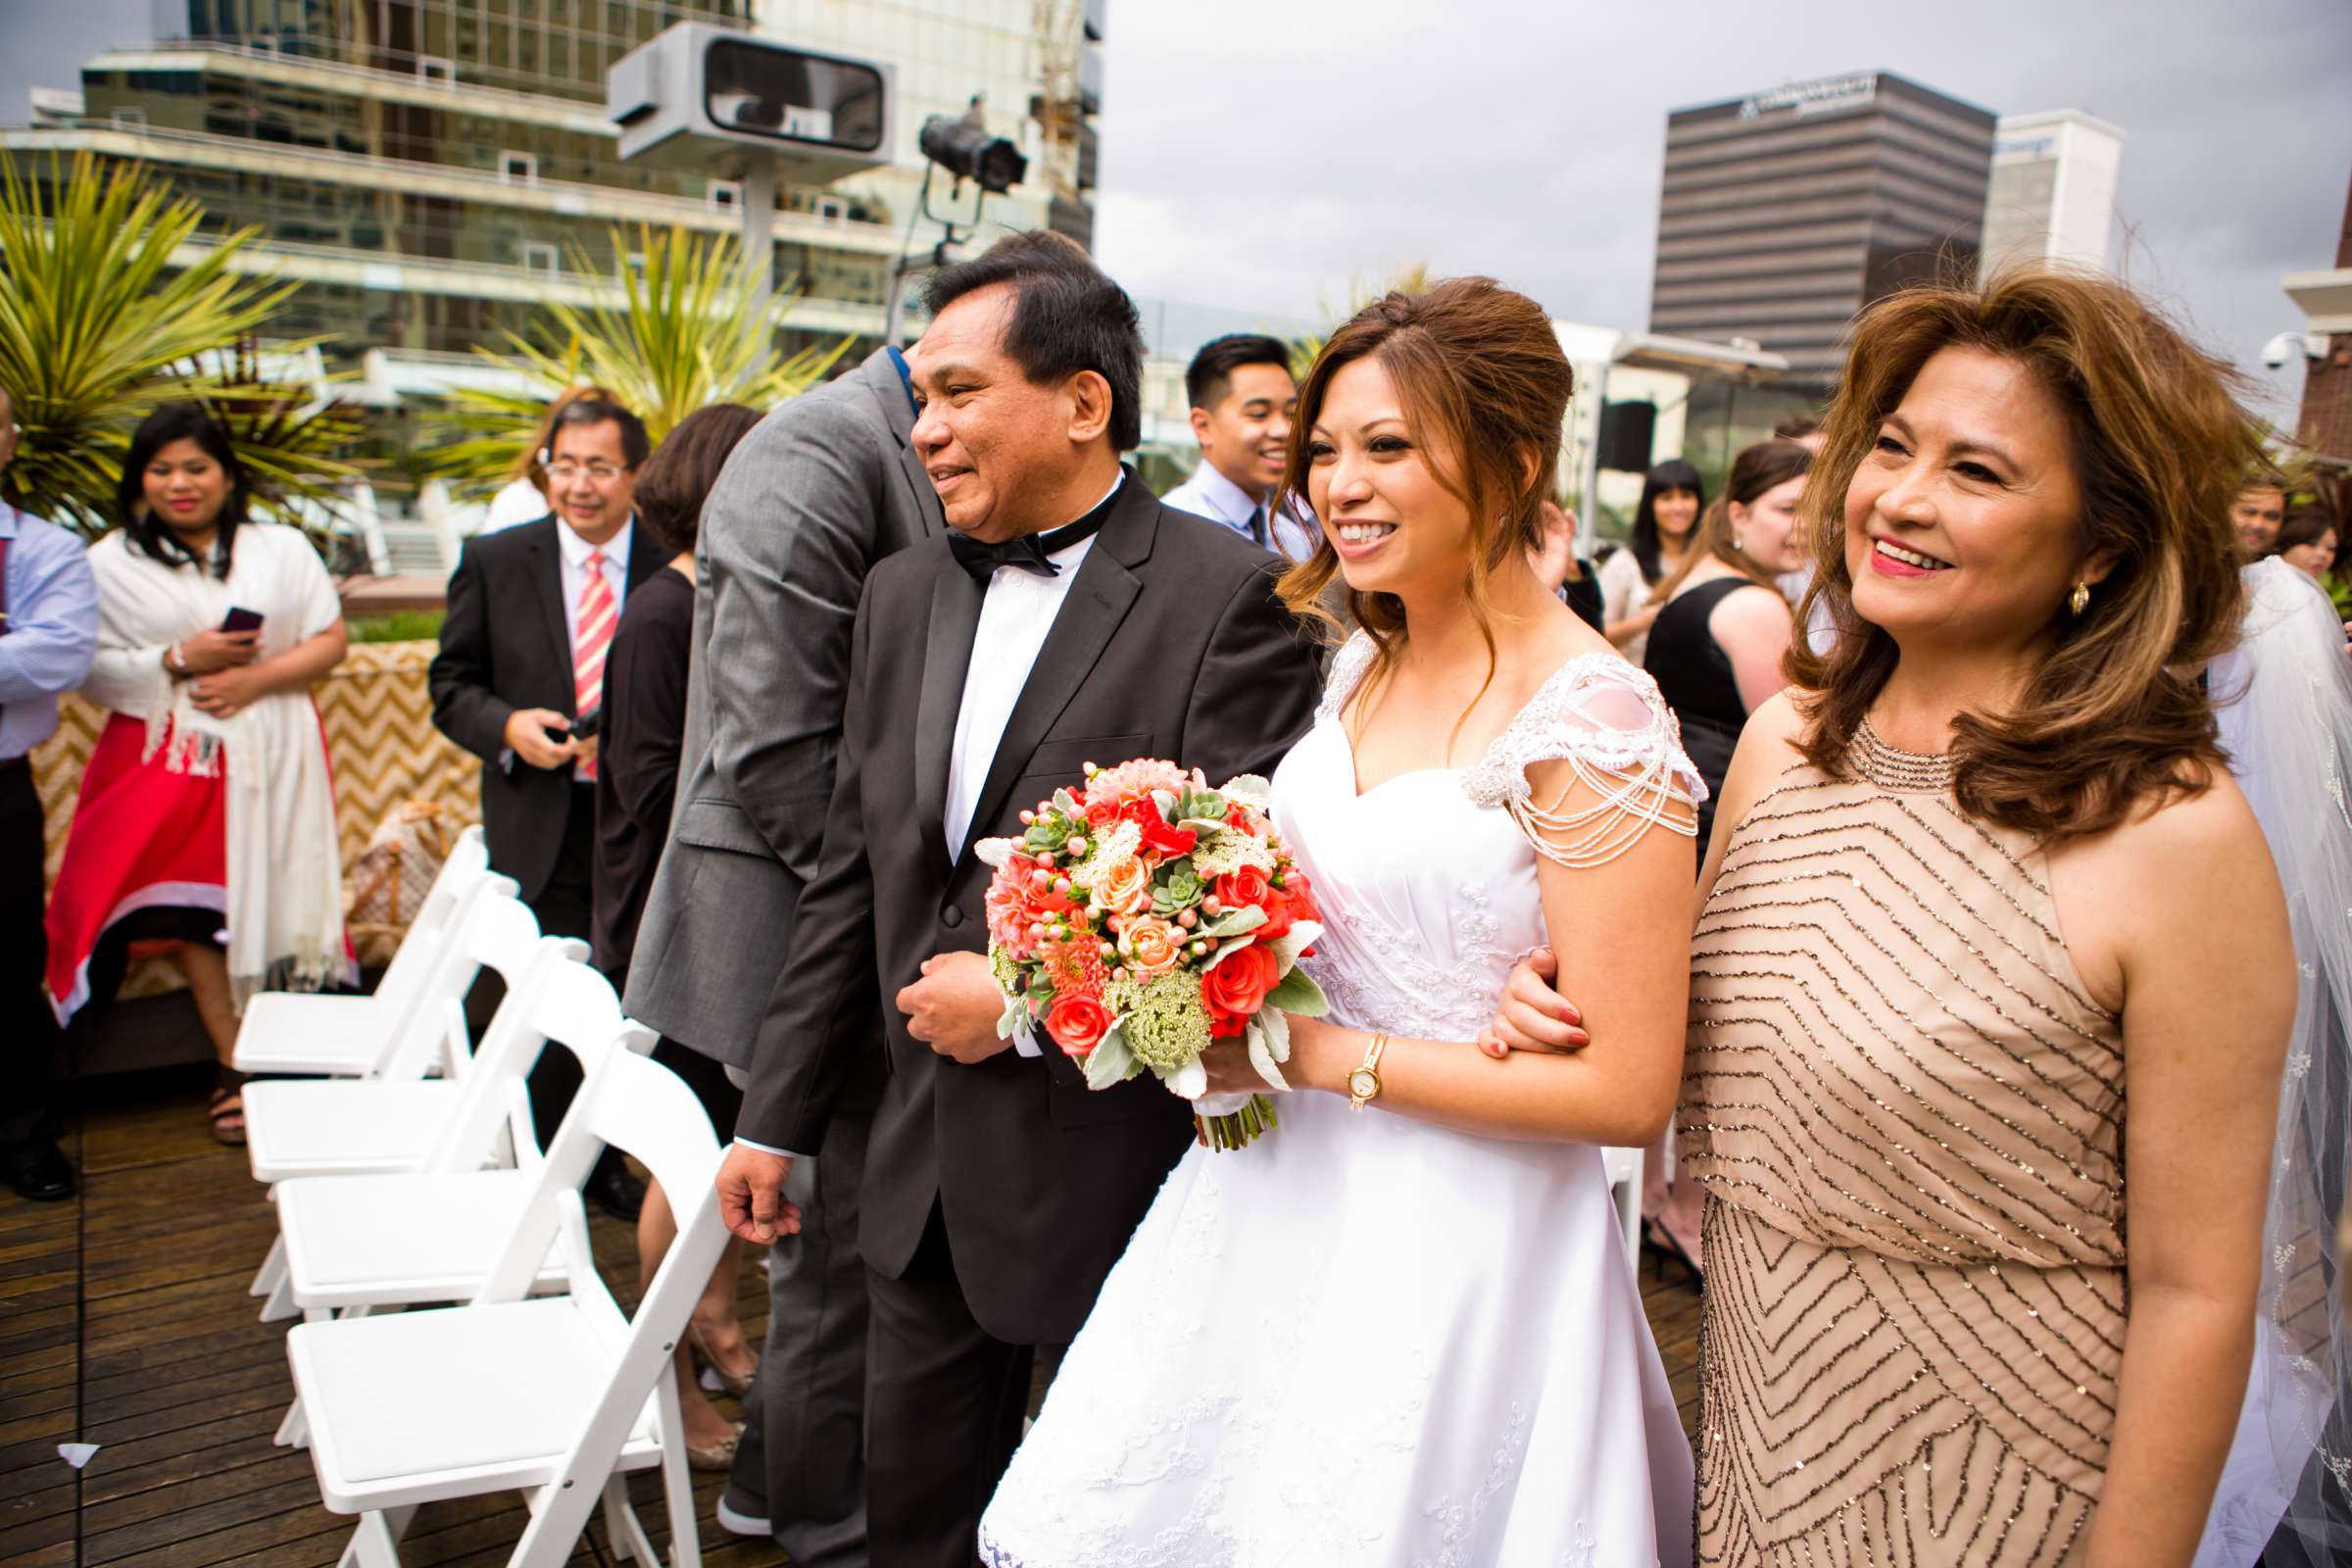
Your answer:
<point x="240" y="618"/>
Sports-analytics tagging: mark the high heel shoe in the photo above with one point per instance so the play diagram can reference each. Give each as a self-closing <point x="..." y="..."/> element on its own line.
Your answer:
<point x="720" y="1455"/>
<point x="1659" y="1242"/>
<point x="737" y="1384"/>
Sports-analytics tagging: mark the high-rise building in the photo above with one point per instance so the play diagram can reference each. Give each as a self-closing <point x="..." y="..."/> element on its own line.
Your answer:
<point x="430" y="169"/>
<point x="1784" y="212"/>
<point x="2052" y="194"/>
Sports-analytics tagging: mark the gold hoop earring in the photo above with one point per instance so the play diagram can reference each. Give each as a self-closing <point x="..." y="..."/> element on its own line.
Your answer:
<point x="2080" y="600"/>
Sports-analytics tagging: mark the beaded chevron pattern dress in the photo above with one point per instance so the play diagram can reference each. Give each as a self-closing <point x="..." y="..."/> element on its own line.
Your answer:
<point x="1908" y="1119"/>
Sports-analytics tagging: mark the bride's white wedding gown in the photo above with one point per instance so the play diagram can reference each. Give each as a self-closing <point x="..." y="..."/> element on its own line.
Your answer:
<point x="1365" y="1339"/>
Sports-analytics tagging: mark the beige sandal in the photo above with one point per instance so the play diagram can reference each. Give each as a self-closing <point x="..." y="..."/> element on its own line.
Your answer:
<point x="737" y="1384"/>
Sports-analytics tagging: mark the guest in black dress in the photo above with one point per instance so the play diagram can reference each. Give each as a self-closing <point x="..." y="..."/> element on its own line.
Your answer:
<point x="636" y="782"/>
<point x="1715" y="648"/>
<point x="1722" y="628"/>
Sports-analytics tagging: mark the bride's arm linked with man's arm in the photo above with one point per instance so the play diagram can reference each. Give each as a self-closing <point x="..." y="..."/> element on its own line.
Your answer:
<point x="1624" y="924"/>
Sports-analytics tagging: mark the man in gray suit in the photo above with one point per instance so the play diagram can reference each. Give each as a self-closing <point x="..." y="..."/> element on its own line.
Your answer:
<point x="813" y="498"/>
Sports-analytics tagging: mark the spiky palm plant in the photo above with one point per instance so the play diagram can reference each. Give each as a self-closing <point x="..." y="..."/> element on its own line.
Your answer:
<point x="97" y="319"/>
<point x="687" y="329"/>
<point x="289" y="438"/>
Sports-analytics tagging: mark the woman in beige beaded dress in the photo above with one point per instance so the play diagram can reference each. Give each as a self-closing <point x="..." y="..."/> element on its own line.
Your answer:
<point x="1985" y="925"/>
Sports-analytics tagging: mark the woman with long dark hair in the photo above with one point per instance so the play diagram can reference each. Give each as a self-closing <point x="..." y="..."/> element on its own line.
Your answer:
<point x="205" y="816"/>
<point x="1673" y="498"/>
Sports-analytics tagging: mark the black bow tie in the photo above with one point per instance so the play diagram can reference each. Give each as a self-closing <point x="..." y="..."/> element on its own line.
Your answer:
<point x="1031" y="552"/>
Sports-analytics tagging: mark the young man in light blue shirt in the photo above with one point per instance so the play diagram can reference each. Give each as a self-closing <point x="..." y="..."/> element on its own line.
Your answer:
<point x="1242" y="399"/>
<point x="48" y="631"/>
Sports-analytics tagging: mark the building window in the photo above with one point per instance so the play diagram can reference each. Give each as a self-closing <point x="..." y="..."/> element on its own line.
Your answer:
<point x="727" y="193"/>
<point x="436" y="68"/>
<point x="130" y="119"/>
<point x="518" y="169"/>
<point x="539" y="258"/>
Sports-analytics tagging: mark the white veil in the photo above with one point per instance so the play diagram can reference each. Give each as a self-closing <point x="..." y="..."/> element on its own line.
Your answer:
<point x="2285" y="701"/>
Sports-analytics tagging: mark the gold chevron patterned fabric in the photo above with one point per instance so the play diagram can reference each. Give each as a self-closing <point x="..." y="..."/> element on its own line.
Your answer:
<point x="1908" y="1119"/>
<point x="380" y="742"/>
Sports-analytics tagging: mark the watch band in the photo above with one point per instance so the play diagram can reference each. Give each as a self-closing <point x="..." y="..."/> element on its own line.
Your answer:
<point x="1363" y="1084"/>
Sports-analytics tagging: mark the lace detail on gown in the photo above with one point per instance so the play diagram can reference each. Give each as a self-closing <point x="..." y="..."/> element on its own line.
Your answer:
<point x="1601" y="717"/>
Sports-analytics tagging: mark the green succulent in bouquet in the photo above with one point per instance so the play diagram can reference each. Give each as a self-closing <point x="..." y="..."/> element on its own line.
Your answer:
<point x="691" y="327"/>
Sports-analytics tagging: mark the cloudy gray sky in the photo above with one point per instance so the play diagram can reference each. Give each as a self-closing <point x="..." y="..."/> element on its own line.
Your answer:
<point x="1258" y="154"/>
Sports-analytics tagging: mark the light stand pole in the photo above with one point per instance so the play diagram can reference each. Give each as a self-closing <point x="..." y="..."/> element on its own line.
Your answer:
<point x="760" y="226"/>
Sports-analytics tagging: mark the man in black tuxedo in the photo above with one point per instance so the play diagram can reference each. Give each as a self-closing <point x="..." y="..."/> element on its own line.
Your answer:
<point x="1066" y="618"/>
<point x="531" y="610"/>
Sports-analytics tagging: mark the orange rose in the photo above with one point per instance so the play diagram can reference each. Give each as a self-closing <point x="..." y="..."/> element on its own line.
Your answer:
<point x="1237" y="988"/>
<point x="1077" y="1025"/>
<point x="1151" y="946"/>
<point x="1242" y="887"/>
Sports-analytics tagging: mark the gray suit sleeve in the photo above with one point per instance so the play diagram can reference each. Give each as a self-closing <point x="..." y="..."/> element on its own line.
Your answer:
<point x="788" y="534"/>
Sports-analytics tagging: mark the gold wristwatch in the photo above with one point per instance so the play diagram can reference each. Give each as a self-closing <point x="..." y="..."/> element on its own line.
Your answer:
<point x="1363" y="1084"/>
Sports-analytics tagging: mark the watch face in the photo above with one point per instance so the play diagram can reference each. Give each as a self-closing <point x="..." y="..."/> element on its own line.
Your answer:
<point x="1362" y="1083"/>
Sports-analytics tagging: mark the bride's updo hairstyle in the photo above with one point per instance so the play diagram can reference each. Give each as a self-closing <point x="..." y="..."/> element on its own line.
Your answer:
<point x="2114" y="715"/>
<point x="1483" y="388"/>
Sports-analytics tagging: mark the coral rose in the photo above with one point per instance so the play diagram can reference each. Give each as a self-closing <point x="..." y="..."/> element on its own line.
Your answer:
<point x="1237" y="988"/>
<point x="1279" y="915"/>
<point x="1242" y="887"/>
<point x="1077" y="1025"/>
<point x="1151" y="946"/>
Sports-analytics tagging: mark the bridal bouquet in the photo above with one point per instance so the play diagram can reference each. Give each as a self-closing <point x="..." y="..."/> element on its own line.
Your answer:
<point x="1142" y="916"/>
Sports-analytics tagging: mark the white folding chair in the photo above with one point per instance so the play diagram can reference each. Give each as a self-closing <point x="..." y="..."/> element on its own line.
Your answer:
<point x="1624" y="1168"/>
<point x="557" y="1395"/>
<point x="326" y="1127"/>
<point x="348" y="1035"/>
<point x="333" y="1126"/>
<point x="353" y="1243"/>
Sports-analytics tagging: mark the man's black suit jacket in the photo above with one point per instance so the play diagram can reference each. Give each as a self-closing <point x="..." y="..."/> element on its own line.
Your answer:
<point x="504" y="646"/>
<point x="1171" y="643"/>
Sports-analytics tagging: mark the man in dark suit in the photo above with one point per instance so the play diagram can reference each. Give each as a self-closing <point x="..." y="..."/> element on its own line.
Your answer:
<point x="820" y="490"/>
<point x="532" y="611"/>
<point x="1067" y="617"/>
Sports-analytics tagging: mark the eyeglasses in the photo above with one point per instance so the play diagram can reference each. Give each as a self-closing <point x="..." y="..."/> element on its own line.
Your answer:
<point x="566" y="471"/>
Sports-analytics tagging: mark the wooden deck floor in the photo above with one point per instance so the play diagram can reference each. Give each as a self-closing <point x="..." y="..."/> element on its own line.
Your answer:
<point x="124" y="1323"/>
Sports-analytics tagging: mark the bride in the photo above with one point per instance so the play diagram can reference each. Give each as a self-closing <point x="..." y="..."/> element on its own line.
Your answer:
<point x="1412" y="1336"/>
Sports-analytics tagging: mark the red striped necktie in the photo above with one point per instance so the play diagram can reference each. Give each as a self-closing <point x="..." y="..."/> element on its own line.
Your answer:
<point x="597" y="618"/>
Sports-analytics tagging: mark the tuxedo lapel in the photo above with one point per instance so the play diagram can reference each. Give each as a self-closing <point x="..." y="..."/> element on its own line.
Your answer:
<point x="547" y="581"/>
<point x="955" y="616"/>
<point x="1089" y="619"/>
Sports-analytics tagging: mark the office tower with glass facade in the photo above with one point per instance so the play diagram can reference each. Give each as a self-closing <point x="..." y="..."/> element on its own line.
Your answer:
<point x="1784" y="212"/>
<point x="428" y="171"/>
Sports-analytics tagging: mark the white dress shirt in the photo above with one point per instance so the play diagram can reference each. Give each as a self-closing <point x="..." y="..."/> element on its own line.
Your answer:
<point x="1017" y="613"/>
<point x="1210" y="494"/>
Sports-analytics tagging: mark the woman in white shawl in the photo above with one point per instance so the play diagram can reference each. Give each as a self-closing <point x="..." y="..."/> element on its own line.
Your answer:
<point x="205" y="817"/>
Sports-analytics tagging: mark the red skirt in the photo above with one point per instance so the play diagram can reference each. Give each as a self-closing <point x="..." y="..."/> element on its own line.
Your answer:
<point x="143" y="838"/>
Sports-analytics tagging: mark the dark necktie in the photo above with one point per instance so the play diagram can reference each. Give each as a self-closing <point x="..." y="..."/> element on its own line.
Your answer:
<point x="1031" y="551"/>
<point x="1257" y="525"/>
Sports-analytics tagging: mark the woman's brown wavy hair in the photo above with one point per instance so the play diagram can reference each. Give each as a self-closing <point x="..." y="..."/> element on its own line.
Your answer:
<point x="2113" y="716"/>
<point x="1764" y="467"/>
<point x="1480" y="378"/>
